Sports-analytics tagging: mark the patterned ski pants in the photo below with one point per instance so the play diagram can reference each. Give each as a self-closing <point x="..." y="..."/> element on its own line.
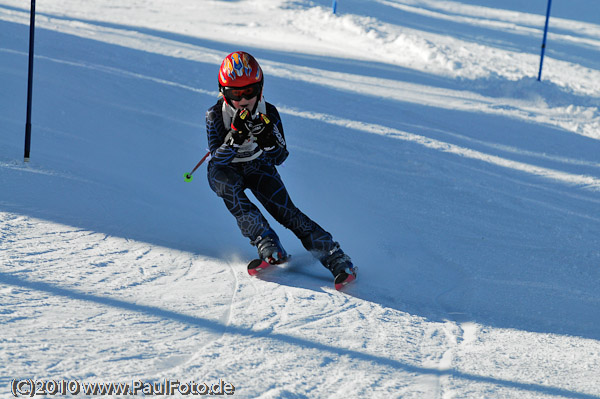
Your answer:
<point x="229" y="182"/>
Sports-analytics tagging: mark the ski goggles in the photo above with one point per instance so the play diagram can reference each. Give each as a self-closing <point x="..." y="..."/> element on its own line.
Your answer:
<point x="237" y="93"/>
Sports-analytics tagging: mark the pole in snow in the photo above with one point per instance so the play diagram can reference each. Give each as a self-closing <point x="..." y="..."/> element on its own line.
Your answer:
<point x="29" y="82"/>
<point x="334" y="6"/>
<point x="544" y="40"/>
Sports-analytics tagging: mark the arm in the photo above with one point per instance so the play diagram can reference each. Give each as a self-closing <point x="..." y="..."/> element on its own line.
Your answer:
<point x="279" y="153"/>
<point x="221" y="153"/>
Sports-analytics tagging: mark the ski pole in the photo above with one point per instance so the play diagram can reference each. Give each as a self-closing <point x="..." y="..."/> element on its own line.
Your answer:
<point x="188" y="176"/>
<point x="544" y="40"/>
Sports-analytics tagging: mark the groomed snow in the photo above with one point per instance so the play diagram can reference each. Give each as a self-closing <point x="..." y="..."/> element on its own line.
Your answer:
<point x="467" y="192"/>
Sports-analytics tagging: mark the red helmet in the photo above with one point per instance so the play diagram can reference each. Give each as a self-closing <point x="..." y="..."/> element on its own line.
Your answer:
<point x="239" y="69"/>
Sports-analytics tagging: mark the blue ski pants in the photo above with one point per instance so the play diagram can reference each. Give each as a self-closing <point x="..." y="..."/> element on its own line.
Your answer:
<point x="230" y="182"/>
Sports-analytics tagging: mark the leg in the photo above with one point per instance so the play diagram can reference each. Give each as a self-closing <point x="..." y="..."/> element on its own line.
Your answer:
<point x="268" y="188"/>
<point x="228" y="183"/>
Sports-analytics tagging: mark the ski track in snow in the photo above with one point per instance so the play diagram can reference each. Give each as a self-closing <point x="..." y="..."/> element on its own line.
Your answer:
<point x="45" y="265"/>
<point x="45" y="262"/>
<point x="84" y="279"/>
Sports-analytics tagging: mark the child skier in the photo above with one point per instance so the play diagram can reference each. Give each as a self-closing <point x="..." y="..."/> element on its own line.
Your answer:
<point x="246" y="141"/>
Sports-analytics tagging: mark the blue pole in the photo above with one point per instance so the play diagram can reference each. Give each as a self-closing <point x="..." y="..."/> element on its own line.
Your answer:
<point x="334" y="6"/>
<point x="544" y="40"/>
<point x="29" y="83"/>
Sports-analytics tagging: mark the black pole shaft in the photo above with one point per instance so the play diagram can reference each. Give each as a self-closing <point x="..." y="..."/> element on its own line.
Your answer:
<point x="30" y="82"/>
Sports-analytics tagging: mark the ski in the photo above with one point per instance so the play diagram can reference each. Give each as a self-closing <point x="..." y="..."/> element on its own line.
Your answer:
<point x="258" y="265"/>
<point x="344" y="278"/>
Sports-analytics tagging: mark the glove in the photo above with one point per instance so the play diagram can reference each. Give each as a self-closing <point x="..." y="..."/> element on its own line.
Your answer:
<point x="263" y="132"/>
<point x="240" y="127"/>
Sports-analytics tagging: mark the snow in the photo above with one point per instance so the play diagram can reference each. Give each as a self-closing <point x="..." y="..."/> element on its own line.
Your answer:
<point x="467" y="192"/>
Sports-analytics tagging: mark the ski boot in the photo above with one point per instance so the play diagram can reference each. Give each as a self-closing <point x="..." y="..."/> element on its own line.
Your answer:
<point x="269" y="248"/>
<point x="270" y="252"/>
<point x="340" y="265"/>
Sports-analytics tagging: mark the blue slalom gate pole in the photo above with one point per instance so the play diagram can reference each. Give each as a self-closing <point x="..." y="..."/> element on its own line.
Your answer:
<point x="29" y="83"/>
<point x="544" y="40"/>
<point x="334" y="6"/>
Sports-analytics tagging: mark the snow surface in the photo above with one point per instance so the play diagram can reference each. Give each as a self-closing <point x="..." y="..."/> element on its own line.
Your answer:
<point x="467" y="192"/>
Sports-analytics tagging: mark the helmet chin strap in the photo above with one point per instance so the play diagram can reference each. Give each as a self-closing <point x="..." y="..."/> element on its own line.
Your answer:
<point x="258" y="99"/>
<point x="253" y="110"/>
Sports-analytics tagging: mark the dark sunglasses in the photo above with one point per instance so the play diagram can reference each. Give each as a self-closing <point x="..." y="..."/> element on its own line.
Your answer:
<point x="237" y="93"/>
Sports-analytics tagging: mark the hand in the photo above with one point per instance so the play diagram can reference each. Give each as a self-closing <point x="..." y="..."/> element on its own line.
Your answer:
<point x="240" y="126"/>
<point x="261" y="127"/>
<point x="263" y="131"/>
